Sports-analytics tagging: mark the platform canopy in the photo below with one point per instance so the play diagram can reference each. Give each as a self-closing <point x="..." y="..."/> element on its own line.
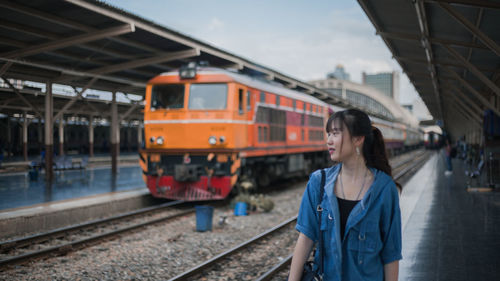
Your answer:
<point x="450" y="51"/>
<point x="91" y="45"/>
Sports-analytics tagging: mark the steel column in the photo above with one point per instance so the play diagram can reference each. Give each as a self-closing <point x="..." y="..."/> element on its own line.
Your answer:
<point x="49" y="137"/>
<point x="61" y="136"/>
<point x="40" y="135"/>
<point x="25" y="136"/>
<point x="9" y="137"/>
<point x="91" y="136"/>
<point x="115" y="135"/>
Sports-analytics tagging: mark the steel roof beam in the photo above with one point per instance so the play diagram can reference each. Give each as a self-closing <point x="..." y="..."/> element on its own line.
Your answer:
<point x="442" y="63"/>
<point x="478" y="21"/>
<point x="78" y="73"/>
<point x="412" y="37"/>
<point x="474" y="70"/>
<point x="474" y="3"/>
<point x="464" y="97"/>
<point x="16" y="91"/>
<point x="75" y="98"/>
<point x="62" y="43"/>
<point x="465" y="110"/>
<point x="5" y="67"/>
<point x="69" y="23"/>
<point x="159" y="58"/>
<point x="471" y="89"/>
<point x="127" y="113"/>
<point x="44" y="34"/>
<point x="424" y="30"/>
<point x="472" y="28"/>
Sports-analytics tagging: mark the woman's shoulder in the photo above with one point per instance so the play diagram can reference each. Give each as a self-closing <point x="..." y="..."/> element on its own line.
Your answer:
<point x="328" y="172"/>
<point x="384" y="182"/>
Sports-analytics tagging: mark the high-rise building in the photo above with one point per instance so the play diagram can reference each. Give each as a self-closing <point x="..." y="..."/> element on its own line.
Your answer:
<point x="339" y="73"/>
<point x="386" y="82"/>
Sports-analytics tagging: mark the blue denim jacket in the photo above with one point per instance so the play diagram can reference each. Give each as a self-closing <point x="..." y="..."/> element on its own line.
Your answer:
<point x="372" y="235"/>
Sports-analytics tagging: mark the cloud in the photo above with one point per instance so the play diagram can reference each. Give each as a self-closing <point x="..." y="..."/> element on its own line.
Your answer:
<point x="215" y="24"/>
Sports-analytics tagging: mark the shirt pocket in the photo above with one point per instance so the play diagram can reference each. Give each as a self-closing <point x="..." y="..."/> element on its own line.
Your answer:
<point x="364" y="237"/>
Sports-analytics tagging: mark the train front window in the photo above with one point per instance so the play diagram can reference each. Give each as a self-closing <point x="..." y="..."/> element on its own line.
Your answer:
<point x="167" y="96"/>
<point x="207" y="96"/>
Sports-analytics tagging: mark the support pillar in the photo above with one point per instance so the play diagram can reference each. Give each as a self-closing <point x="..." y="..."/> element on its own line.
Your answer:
<point x="91" y="136"/>
<point x="129" y="137"/>
<point x="115" y="135"/>
<point x="61" y="136"/>
<point x="25" y="136"/>
<point x="49" y="136"/>
<point x="9" y="138"/>
<point x="40" y="136"/>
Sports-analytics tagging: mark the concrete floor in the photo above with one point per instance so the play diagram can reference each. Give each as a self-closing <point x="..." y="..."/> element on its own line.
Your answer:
<point x="448" y="233"/>
<point x="17" y="190"/>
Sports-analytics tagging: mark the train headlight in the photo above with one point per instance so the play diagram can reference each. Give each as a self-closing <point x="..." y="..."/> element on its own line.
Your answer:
<point x="212" y="140"/>
<point x="222" y="139"/>
<point x="188" y="71"/>
<point x="159" y="140"/>
<point x="152" y="139"/>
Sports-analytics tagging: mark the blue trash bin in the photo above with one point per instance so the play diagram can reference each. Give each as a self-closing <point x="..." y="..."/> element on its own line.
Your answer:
<point x="240" y="209"/>
<point x="204" y="216"/>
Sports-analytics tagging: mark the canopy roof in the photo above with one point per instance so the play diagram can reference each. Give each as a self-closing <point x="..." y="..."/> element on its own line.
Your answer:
<point x="450" y="51"/>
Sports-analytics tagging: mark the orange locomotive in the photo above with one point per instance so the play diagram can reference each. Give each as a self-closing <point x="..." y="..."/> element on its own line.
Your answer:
<point x="209" y="130"/>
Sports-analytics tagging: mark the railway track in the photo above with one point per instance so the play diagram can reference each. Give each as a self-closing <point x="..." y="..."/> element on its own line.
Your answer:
<point x="401" y="172"/>
<point x="63" y="240"/>
<point x="202" y="268"/>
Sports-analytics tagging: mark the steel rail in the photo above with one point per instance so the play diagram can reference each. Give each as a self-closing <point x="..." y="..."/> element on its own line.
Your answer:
<point x="199" y="268"/>
<point x="403" y="172"/>
<point x="21" y="242"/>
<point x="286" y="261"/>
<point x="404" y="162"/>
<point x="64" y="248"/>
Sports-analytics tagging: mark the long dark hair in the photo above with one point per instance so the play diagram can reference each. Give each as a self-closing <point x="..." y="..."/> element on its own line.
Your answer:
<point x="358" y="124"/>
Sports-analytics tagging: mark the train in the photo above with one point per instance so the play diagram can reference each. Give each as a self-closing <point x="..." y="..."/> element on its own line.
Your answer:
<point x="433" y="137"/>
<point x="210" y="132"/>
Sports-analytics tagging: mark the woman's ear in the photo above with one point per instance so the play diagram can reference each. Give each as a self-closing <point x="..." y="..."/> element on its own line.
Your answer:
<point x="358" y="141"/>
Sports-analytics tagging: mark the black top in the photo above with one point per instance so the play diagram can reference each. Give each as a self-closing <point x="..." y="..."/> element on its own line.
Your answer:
<point x="345" y="208"/>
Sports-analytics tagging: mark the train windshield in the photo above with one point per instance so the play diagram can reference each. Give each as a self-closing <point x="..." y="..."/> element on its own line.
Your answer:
<point x="167" y="96"/>
<point x="207" y="96"/>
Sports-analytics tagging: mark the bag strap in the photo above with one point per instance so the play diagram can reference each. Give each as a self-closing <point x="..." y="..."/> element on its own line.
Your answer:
<point x="320" y="210"/>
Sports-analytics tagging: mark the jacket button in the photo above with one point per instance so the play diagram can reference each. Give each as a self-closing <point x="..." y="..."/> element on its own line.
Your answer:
<point x="360" y="261"/>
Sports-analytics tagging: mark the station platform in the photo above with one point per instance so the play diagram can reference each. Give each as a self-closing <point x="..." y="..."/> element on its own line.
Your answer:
<point x="17" y="190"/>
<point x="448" y="232"/>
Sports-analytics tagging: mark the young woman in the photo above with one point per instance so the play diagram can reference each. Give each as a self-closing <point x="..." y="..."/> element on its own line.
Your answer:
<point x="360" y="218"/>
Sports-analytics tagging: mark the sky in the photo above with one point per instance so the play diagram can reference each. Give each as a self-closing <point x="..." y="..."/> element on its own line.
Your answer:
<point x="299" y="38"/>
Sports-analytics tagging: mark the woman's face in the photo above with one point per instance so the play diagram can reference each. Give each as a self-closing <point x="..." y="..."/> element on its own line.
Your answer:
<point x="339" y="143"/>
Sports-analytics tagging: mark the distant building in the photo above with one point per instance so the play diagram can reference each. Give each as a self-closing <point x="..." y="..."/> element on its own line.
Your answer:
<point x="368" y="99"/>
<point x="386" y="83"/>
<point x="409" y="107"/>
<point x="339" y="73"/>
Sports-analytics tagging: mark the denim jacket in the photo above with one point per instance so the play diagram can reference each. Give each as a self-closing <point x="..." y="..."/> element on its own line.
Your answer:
<point x="372" y="235"/>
